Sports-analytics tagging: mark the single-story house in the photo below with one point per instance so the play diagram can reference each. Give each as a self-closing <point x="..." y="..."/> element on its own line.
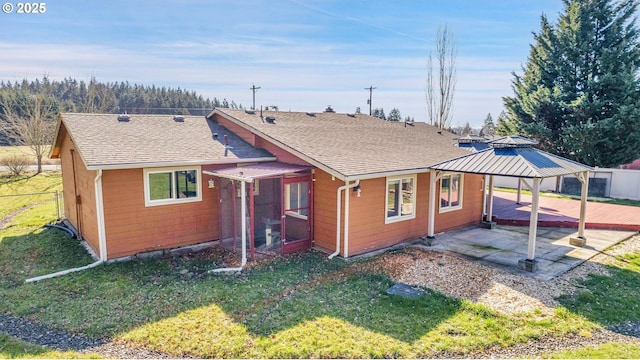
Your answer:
<point x="265" y="180"/>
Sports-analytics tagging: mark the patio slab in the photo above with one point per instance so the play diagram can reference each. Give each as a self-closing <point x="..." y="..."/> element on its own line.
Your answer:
<point x="503" y="246"/>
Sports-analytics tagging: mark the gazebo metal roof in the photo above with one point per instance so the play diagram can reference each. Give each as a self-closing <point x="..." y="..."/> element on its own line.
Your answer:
<point x="515" y="156"/>
<point x="512" y="156"/>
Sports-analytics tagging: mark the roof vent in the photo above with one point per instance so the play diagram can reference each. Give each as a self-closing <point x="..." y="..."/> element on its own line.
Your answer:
<point x="250" y="112"/>
<point x="270" y="119"/>
<point x="124" y="117"/>
<point x="351" y="115"/>
<point x="329" y="109"/>
<point x="311" y="114"/>
<point x="178" y="118"/>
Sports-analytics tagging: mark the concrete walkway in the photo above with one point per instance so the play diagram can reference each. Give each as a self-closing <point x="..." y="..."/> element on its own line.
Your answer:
<point x="562" y="212"/>
<point x="503" y="246"/>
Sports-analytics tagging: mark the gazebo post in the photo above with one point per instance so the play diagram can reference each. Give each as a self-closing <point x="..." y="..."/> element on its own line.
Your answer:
<point x="530" y="263"/>
<point x="581" y="240"/>
<point x="489" y="224"/>
<point x="519" y="191"/>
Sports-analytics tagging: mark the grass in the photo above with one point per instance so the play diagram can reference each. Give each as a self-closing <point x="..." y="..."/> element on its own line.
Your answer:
<point x="610" y="299"/>
<point x="613" y="201"/>
<point x="49" y="181"/>
<point x="6" y="151"/>
<point x="291" y="307"/>
<point x="11" y="348"/>
<point x="606" y="351"/>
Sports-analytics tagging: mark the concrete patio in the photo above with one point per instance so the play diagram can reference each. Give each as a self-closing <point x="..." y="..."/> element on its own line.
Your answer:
<point x="503" y="246"/>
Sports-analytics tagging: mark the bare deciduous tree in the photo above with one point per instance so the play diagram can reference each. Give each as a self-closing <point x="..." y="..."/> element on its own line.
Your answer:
<point x="440" y="91"/>
<point x="28" y="120"/>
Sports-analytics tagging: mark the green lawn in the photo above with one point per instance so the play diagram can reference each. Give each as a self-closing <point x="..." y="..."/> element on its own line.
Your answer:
<point x="46" y="182"/>
<point x="11" y="348"/>
<point x="290" y="307"/>
<point x="7" y="151"/>
<point x="613" y="201"/>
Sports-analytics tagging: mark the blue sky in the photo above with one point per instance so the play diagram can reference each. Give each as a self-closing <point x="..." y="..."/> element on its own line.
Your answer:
<point x="304" y="55"/>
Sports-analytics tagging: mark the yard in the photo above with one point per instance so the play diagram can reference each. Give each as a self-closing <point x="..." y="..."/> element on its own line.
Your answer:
<point x="289" y="307"/>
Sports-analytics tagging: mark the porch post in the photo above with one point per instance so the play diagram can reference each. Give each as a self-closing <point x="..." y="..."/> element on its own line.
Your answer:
<point x="490" y="200"/>
<point x="433" y="179"/>
<point x="584" y="179"/>
<point x="243" y="220"/>
<point x="251" y="221"/>
<point x="530" y="264"/>
<point x="533" y="221"/>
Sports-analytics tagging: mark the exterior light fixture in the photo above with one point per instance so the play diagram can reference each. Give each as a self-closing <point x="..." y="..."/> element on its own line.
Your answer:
<point x="357" y="190"/>
<point x="212" y="184"/>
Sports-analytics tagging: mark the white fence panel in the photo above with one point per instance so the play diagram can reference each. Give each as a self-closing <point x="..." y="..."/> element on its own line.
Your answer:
<point x="621" y="183"/>
<point x="625" y="184"/>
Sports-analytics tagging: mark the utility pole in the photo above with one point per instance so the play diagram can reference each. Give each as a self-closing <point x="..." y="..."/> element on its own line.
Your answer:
<point x="370" y="88"/>
<point x="254" y="88"/>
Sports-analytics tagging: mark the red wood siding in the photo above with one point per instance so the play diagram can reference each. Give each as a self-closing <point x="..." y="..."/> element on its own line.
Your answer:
<point x="367" y="228"/>
<point x="324" y="210"/>
<point x="471" y="212"/>
<point x="132" y="228"/>
<point x="280" y="154"/>
<point x="243" y="133"/>
<point x="259" y="142"/>
<point x="87" y="223"/>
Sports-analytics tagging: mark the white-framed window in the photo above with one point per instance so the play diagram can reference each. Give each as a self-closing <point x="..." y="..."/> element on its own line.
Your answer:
<point x="164" y="186"/>
<point x="296" y="197"/>
<point x="401" y="198"/>
<point x="451" y="192"/>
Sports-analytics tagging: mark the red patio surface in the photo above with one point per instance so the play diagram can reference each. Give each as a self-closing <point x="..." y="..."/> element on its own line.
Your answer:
<point x="559" y="212"/>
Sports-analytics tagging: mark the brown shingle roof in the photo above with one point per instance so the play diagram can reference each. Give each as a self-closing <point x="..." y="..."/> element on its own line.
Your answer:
<point x="352" y="145"/>
<point x="153" y="140"/>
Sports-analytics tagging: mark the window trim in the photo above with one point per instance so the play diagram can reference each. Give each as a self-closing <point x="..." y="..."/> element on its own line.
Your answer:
<point x="287" y="199"/>
<point x="397" y="218"/>
<point x="174" y="200"/>
<point x="461" y="186"/>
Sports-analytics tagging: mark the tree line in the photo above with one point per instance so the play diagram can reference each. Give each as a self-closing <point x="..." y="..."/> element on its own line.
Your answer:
<point x="71" y="95"/>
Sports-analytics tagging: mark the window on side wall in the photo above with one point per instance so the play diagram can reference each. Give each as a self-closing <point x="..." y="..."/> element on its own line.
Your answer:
<point x="450" y="192"/>
<point x="401" y="199"/>
<point x="165" y="186"/>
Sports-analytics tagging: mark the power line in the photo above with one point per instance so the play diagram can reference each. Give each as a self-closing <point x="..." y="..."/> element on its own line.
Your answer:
<point x="370" y="88"/>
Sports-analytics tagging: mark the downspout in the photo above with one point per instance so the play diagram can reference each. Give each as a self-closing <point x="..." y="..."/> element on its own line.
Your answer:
<point x="346" y="218"/>
<point x="243" y="221"/>
<point x="101" y="236"/>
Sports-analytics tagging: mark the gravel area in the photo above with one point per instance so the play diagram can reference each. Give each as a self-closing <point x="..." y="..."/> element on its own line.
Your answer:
<point x="509" y="293"/>
<point x="40" y="334"/>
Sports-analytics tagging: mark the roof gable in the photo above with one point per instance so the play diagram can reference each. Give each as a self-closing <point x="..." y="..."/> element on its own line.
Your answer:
<point x="154" y="140"/>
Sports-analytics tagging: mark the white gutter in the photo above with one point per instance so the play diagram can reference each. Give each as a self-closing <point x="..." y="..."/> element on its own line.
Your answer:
<point x="346" y="218"/>
<point x="101" y="236"/>
<point x="243" y="210"/>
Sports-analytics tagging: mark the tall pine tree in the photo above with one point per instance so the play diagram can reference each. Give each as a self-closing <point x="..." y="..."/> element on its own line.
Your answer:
<point x="578" y="95"/>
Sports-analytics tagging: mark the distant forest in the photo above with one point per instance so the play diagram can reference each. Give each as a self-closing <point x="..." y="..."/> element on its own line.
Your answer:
<point x="71" y="95"/>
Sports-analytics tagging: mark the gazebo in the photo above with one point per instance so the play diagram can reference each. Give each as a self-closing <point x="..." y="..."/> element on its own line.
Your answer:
<point x="515" y="156"/>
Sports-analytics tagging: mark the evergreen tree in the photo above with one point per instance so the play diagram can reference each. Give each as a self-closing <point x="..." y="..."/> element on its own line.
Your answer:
<point x="488" y="128"/>
<point x="394" y="115"/>
<point x="379" y="113"/>
<point x="578" y="93"/>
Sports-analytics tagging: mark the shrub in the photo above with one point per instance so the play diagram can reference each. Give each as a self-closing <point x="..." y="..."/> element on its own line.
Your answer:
<point x="16" y="164"/>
